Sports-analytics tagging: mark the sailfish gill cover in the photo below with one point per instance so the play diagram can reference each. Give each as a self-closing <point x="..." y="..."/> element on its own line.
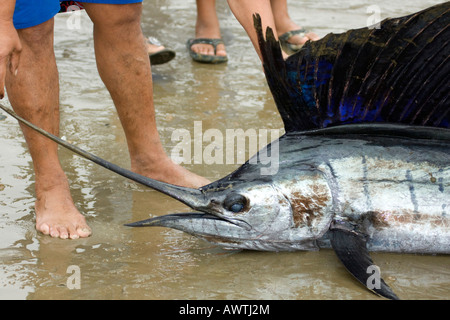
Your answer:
<point x="397" y="73"/>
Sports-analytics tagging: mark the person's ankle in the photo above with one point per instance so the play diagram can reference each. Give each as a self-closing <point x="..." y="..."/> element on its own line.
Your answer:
<point x="51" y="180"/>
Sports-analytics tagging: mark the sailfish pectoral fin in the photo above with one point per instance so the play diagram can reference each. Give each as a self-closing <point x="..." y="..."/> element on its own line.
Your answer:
<point x="350" y="247"/>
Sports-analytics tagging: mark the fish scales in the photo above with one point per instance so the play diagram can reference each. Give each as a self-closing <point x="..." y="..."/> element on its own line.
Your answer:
<point x="399" y="196"/>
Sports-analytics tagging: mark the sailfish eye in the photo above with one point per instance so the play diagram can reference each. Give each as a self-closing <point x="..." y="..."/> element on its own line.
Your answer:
<point x="236" y="207"/>
<point x="235" y="203"/>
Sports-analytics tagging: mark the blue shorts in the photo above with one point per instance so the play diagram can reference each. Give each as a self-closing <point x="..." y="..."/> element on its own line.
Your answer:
<point x="30" y="13"/>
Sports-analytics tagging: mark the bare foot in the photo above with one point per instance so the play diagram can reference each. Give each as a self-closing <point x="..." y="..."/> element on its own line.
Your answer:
<point x="182" y="177"/>
<point x="57" y="216"/>
<point x="166" y="170"/>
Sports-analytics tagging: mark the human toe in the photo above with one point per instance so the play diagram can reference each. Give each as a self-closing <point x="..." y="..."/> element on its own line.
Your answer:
<point x="220" y="51"/>
<point x="84" y="231"/>
<point x="54" y="232"/>
<point x="44" y="228"/>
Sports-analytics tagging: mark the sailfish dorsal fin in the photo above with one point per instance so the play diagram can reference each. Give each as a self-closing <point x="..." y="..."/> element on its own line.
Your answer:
<point x="397" y="73"/>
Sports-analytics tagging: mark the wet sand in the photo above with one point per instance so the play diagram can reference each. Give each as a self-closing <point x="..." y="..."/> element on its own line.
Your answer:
<point x="117" y="262"/>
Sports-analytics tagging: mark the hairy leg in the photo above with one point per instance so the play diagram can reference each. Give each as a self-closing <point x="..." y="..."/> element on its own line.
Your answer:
<point x="124" y="67"/>
<point x="34" y="94"/>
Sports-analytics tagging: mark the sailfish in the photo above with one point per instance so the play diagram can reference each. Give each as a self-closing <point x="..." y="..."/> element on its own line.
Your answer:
<point x="364" y="164"/>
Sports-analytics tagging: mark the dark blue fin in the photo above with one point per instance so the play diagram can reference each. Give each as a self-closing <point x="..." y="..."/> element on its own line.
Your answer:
<point x="350" y="247"/>
<point x="398" y="73"/>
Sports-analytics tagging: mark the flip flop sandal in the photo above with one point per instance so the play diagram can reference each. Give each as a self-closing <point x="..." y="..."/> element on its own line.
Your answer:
<point x="206" y="58"/>
<point x="161" y="56"/>
<point x="291" y="48"/>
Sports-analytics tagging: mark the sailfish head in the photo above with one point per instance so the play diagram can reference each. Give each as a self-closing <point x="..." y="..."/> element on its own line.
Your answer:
<point x="245" y="210"/>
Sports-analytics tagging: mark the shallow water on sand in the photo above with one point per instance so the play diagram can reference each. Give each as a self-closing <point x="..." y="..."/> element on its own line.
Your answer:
<point x="118" y="262"/>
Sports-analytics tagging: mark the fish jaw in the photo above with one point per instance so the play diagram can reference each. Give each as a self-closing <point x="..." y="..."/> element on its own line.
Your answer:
<point x="229" y="234"/>
<point x="220" y="231"/>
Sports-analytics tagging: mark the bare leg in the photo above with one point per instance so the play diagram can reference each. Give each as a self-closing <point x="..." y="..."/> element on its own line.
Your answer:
<point x="273" y="14"/>
<point x="124" y="67"/>
<point x="244" y="10"/>
<point x="207" y="26"/>
<point x="34" y="94"/>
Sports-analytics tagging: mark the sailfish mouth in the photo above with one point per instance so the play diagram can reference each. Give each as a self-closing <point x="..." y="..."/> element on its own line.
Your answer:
<point x="183" y="219"/>
<point x="162" y="221"/>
